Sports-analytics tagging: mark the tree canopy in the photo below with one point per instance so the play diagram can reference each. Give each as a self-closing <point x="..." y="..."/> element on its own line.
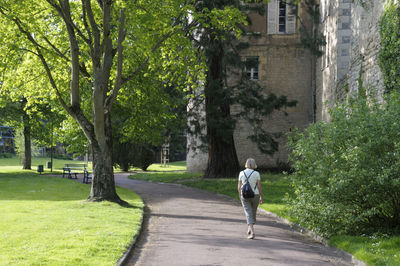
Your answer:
<point x="87" y="54"/>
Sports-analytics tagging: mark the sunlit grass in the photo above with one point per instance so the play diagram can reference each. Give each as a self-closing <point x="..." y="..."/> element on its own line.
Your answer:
<point x="173" y="166"/>
<point x="165" y="177"/>
<point x="275" y="187"/>
<point x="14" y="164"/>
<point x="47" y="221"/>
<point x="383" y="250"/>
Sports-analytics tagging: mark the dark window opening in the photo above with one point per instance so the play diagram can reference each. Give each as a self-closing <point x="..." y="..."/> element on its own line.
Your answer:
<point x="252" y="67"/>
<point x="282" y="17"/>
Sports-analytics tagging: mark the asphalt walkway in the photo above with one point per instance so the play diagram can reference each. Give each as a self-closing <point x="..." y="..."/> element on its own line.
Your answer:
<point x="186" y="226"/>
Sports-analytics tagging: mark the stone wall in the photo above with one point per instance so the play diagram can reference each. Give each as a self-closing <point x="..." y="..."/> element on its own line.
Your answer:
<point x="351" y="29"/>
<point x="333" y="66"/>
<point x="285" y="69"/>
<point x="365" y="46"/>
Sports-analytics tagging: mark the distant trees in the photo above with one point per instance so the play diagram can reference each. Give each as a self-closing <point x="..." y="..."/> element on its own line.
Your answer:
<point x="34" y="122"/>
<point x="87" y="55"/>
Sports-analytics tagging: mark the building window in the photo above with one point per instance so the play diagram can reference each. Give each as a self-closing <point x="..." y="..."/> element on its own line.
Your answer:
<point x="252" y="67"/>
<point x="281" y="19"/>
<point x="346" y="39"/>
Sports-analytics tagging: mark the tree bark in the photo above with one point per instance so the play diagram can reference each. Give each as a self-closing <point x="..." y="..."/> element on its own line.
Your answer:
<point x="103" y="184"/>
<point x="27" y="157"/>
<point x="222" y="157"/>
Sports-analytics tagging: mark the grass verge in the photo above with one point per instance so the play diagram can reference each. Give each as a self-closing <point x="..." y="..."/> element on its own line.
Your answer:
<point x="275" y="187"/>
<point x="374" y="250"/>
<point x="173" y="166"/>
<point x="46" y="221"/>
<point x="383" y="250"/>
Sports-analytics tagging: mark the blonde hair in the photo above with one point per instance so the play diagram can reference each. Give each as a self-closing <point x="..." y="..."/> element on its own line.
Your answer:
<point x="251" y="164"/>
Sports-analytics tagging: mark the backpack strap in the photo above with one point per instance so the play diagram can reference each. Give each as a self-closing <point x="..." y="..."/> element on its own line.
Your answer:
<point x="247" y="178"/>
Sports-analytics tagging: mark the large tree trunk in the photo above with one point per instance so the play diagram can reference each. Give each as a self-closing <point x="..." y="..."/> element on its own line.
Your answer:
<point x="222" y="157"/>
<point x="103" y="183"/>
<point x="27" y="157"/>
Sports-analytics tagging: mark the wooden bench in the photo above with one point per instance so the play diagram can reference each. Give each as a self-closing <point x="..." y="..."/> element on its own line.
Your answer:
<point x="86" y="177"/>
<point x="70" y="169"/>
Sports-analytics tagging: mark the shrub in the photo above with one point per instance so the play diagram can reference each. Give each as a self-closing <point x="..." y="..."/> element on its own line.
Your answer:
<point x="347" y="172"/>
<point x="61" y="156"/>
<point x="390" y="40"/>
<point x="127" y="154"/>
<point x="6" y="155"/>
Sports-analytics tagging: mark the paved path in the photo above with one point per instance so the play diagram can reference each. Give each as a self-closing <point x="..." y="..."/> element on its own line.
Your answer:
<point x="186" y="226"/>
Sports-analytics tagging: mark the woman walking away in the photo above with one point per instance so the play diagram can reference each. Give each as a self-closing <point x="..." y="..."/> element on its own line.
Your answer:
<point x="250" y="199"/>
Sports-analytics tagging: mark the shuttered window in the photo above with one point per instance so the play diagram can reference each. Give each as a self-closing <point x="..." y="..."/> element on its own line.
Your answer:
<point x="281" y="19"/>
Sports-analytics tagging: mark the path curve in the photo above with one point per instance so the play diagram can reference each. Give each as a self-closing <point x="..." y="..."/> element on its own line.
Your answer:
<point x="187" y="226"/>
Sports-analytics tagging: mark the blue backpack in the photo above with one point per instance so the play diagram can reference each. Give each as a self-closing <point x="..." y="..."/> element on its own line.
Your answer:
<point x="247" y="191"/>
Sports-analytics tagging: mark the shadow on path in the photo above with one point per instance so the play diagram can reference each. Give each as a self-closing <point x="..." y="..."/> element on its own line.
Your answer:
<point x="187" y="226"/>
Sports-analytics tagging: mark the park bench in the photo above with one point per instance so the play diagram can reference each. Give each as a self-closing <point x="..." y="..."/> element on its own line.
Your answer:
<point x="86" y="177"/>
<point x="70" y="169"/>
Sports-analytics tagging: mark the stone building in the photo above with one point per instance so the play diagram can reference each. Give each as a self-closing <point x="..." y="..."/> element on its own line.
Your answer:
<point x="351" y="29"/>
<point x="284" y="68"/>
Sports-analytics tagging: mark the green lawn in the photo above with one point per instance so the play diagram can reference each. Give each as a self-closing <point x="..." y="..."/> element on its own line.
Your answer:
<point x="166" y="177"/>
<point x="275" y="186"/>
<point x="45" y="220"/>
<point x="372" y="250"/>
<point x="14" y="164"/>
<point x="173" y="166"/>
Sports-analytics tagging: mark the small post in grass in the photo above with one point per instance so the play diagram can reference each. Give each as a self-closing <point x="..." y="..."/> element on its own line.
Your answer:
<point x="40" y="168"/>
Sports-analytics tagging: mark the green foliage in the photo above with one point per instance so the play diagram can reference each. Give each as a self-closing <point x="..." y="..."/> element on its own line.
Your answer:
<point x="127" y="155"/>
<point x="139" y="127"/>
<point x="6" y="155"/>
<point x="62" y="156"/>
<point x="227" y="82"/>
<point x="347" y="172"/>
<point x="311" y="37"/>
<point x="390" y="42"/>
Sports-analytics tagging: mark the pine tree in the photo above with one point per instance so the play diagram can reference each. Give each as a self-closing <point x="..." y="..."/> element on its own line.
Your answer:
<point x="222" y="48"/>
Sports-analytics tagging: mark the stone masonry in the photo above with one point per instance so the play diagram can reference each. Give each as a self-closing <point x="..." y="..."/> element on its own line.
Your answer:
<point x="351" y="30"/>
<point x="352" y="36"/>
<point x="284" y="69"/>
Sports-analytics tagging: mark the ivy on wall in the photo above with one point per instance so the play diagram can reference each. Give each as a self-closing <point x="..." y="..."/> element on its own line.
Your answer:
<point x="390" y="47"/>
<point x="311" y="37"/>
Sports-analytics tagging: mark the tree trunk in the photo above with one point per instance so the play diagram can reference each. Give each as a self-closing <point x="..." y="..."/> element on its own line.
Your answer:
<point x="222" y="157"/>
<point x="27" y="157"/>
<point x="103" y="183"/>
